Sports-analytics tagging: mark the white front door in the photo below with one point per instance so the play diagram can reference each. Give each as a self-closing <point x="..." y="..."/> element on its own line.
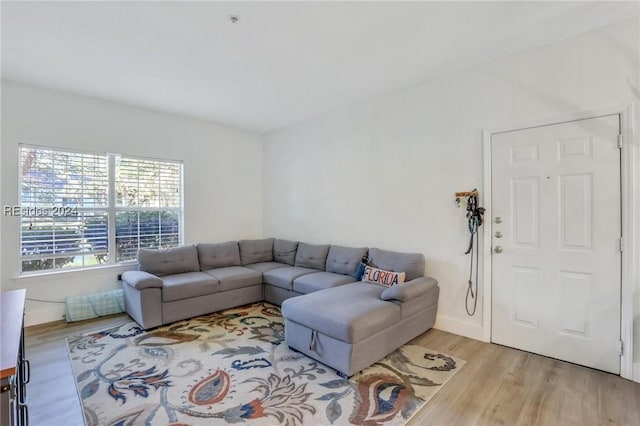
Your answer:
<point x="556" y="227"/>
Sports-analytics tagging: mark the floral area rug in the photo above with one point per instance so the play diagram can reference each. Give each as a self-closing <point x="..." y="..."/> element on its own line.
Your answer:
<point x="233" y="366"/>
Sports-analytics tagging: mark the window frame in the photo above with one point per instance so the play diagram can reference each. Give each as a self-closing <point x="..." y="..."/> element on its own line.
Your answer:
<point x="114" y="209"/>
<point x="111" y="210"/>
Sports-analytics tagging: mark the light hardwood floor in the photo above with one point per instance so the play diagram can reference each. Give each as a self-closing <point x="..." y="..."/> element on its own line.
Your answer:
<point x="497" y="386"/>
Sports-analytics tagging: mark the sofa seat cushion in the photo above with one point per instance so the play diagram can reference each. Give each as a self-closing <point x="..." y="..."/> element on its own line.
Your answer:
<point x="360" y="314"/>
<point x="284" y="277"/>
<point x="263" y="267"/>
<point x="319" y="281"/>
<point x="187" y="285"/>
<point x="232" y="277"/>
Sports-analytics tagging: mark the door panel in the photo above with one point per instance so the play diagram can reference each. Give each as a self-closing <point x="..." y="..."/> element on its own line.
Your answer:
<point x="524" y="193"/>
<point x="575" y="212"/>
<point x="556" y="284"/>
<point x="525" y="281"/>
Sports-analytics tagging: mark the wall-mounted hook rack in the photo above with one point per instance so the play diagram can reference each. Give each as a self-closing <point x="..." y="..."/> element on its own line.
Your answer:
<point x="467" y="193"/>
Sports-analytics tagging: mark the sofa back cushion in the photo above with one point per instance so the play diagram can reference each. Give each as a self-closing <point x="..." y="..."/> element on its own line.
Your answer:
<point x="345" y="260"/>
<point x="255" y="251"/>
<point x="285" y="251"/>
<point x="174" y="260"/>
<point x="410" y="263"/>
<point x="218" y="255"/>
<point x="312" y="255"/>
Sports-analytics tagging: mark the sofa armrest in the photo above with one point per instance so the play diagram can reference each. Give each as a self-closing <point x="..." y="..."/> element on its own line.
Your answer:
<point x="410" y="289"/>
<point x="141" y="280"/>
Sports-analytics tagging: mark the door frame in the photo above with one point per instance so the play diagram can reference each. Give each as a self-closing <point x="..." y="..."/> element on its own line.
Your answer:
<point x="630" y="196"/>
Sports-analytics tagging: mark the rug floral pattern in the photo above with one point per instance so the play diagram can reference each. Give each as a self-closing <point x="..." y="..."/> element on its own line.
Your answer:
<point x="234" y="367"/>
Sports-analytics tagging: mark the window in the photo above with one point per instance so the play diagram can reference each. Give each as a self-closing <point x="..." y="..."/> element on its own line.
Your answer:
<point x="85" y="209"/>
<point x="148" y="205"/>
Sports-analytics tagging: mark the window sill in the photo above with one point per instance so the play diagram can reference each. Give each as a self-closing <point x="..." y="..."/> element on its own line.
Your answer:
<point x="33" y="276"/>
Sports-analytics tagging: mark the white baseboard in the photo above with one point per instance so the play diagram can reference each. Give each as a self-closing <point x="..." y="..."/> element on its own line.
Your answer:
<point x="462" y="328"/>
<point x="636" y="372"/>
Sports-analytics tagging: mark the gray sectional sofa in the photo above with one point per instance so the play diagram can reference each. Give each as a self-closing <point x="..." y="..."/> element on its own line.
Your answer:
<point x="339" y="321"/>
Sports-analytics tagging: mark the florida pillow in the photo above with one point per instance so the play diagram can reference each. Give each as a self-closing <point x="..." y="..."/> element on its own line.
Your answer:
<point x="382" y="277"/>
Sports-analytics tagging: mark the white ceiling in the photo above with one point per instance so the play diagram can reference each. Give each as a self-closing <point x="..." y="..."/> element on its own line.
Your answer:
<point x="283" y="62"/>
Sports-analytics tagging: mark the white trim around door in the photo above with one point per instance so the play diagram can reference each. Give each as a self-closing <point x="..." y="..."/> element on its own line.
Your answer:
<point x="630" y="192"/>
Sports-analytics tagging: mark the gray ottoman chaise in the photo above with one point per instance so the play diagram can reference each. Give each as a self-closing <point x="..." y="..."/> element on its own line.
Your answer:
<point x="329" y="315"/>
<point x="352" y="326"/>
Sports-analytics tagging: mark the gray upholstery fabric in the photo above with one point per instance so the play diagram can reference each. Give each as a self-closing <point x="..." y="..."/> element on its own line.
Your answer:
<point x="312" y="255"/>
<point x="144" y="306"/>
<point x="141" y="279"/>
<point x="187" y="308"/>
<point x="232" y="277"/>
<point x="254" y="251"/>
<point x="345" y="260"/>
<point x="328" y="350"/>
<point x="187" y="285"/>
<point x="410" y="263"/>
<point x="277" y="295"/>
<point x="284" y="251"/>
<point x="410" y="289"/>
<point x="351" y="358"/>
<point x="218" y="255"/>
<point x="325" y="311"/>
<point x="356" y="323"/>
<point x="319" y="281"/>
<point x="283" y="277"/>
<point x="419" y="303"/>
<point x="175" y="260"/>
<point x="265" y="266"/>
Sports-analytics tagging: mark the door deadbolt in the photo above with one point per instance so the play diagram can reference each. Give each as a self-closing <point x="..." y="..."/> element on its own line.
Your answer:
<point x="498" y="249"/>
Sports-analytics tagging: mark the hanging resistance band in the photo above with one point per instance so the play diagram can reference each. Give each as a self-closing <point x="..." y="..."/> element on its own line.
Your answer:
<point x="474" y="221"/>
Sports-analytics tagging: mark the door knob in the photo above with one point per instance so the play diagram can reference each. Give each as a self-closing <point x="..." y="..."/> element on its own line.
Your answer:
<point x="498" y="219"/>
<point x="498" y="234"/>
<point x="498" y="249"/>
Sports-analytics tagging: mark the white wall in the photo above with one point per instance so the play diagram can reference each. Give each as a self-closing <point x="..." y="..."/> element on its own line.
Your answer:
<point x="222" y="175"/>
<point x="383" y="173"/>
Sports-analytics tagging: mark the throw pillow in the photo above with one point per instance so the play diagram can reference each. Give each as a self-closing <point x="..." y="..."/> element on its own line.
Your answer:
<point x="382" y="277"/>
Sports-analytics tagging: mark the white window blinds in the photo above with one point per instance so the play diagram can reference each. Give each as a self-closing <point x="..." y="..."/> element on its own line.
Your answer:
<point x="148" y="205"/>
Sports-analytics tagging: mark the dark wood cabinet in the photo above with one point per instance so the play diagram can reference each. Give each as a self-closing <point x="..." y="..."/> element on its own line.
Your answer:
<point x="15" y="370"/>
